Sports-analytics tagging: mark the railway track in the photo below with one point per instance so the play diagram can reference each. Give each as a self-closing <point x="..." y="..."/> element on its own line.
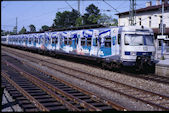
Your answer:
<point x="151" y="77"/>
<point x="157" y="100"/>
<point x="33" y="84"/>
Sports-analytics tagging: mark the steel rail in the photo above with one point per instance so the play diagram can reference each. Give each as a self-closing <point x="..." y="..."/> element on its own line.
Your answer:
<point x="22" y="91"/>
<point x="103" y="86"/>
<point x="35" y="79"/>
<point x="36" y="82"/>
<point x="92" y="95"/>
<point x="156" y="78"/>
<point x="80" y="71"/>
<point x="130" y="96"/>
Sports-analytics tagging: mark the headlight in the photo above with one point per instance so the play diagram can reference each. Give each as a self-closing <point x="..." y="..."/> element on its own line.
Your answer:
<point x="133" y="53"/>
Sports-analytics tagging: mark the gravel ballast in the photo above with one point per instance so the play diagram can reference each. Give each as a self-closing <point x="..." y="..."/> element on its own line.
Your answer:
<point x="129" y="80"/>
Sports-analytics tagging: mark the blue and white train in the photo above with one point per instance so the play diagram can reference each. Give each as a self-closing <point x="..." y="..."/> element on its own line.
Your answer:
<point x="110" y="46"/>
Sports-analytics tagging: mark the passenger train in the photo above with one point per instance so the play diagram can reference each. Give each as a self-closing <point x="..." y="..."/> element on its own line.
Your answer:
<point x="112" y="47"/>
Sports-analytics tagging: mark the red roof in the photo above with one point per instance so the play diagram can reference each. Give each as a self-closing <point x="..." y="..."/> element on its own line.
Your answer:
<point x="150" y="8"/>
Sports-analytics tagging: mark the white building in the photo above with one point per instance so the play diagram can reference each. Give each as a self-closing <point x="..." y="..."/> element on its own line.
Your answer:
<point x="150" y="16"/>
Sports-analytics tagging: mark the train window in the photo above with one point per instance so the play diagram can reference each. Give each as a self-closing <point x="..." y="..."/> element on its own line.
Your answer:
<point x="108" y="44"/>
<point x="83" y="41"/>
<point x="70" y="41"/>
<point x="76" y="41"/>
<point x="89" y="41"/>
<point x="65" y="41"/>
<point x="42" y="40"/>
<point x="29" y="40"/>
<point x="56" y="40"/>
<point x="61" y="40"/>
<point x="167" y="44"/>
<point x="83" y="38"/>
<point x="46" y="40"/>
<point x="3" y="39"/>
<point x="53" y="40"/>
<point x="159" y="42"/>
<point x="36" y="40"/>
<point x="108" y="38"/>
<point x="119" y="39"/>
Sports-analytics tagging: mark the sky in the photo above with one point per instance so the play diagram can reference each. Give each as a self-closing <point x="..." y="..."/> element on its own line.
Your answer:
<point x="41" y="13"/>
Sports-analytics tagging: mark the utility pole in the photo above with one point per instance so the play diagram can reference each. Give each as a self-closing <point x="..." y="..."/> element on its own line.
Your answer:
<point x="79" y="10"/>
<point x="132" y="13"/>
<point x="162" y="31"/>
<point x="16" y="25"/>
<point x="79" y="6"/>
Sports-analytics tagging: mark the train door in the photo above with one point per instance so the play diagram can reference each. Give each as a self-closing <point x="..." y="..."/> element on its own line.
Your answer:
<point x="26" y="40"/>
<point x="38" y="40"/>
<point x="47" y="40"/>
<point x="86" y="41"/>
<point x="94" y="43"/>
<point x="21" y="36"/>
<point x="30" y="40"/>
<point x="18" y="40"/>
<point x="35" y="40"/>
<point x="54" y="40"/>
<point x="63" y="40"/>
<point x="79" y="48"/>
<point x="114" y="41"/>
<point x="67" y="43"/>
<point x="70" y="45"/>
<point x="42" y="41"/>
<point x="23" y="40"/>
<point x="105" y="43"/>
<point x="74" y="40"/>
<point x="58" y="37"/>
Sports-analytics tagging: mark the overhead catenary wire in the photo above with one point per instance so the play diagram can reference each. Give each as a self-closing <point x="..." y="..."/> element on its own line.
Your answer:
<point x="69" y="5"/>
<point x="111" y="6"/>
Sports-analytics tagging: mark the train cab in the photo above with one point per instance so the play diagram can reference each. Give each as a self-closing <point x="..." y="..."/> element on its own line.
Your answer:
<point x="138" y="47"/>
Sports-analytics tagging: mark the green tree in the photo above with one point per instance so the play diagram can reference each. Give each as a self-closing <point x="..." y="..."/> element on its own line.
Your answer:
<point x="73" y="17"/>
<point x="32" y="28"/>
<point x="108" y="20"/>
<point x="79" y="21"/>
<point x="115" y="22"/>
<point x="14" y="30"/>
<point x="65" y="19"/>
<point x="44" y="28"/>
<point x="22" y="31"/>
<point x="92" y="16"/>
<point x="8" y="33"/>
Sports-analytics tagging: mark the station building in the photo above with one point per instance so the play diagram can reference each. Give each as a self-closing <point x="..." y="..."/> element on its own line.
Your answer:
<point x="151" y="16"/>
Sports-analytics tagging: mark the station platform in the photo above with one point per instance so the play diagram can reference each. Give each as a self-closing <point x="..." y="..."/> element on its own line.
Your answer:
<point x="162" y="67"/>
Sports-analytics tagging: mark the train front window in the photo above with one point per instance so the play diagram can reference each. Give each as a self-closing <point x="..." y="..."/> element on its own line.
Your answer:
<point x="137" y="40"/>
<point x="149" y="40"/>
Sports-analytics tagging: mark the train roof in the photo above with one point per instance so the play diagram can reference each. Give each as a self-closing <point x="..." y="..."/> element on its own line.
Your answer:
<point x="95" y="27"/>
<point x="136" y="28"/>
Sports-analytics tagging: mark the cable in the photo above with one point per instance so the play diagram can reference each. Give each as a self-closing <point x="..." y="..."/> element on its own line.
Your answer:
<point x="69" y="5"/>
<point x="111" y="6"/>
